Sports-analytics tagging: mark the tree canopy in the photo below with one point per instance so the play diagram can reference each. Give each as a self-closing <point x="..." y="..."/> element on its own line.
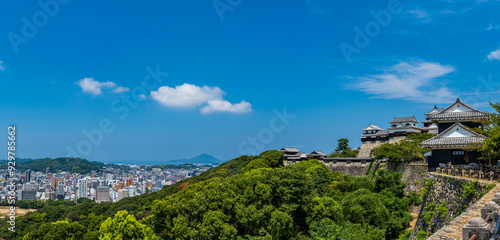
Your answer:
<point x="405" y="150"/>
<point x="343" y="149"/>
<point x="249" y="197"/>
<point x="490" y="148"/>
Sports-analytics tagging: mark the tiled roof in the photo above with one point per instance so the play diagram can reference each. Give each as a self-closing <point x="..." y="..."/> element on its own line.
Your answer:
<point x="372" y="127"/>
<point x="440" y="141"/>
<point x="289" y="149"/>
<point x="458" y="115"/>
<point x="445" y="115"/>
<point x="379" y="133"/>
<point x="318" y="153"/>
<point x="404" y="120"/>
<point x="452" y="141"/>
<point x="434" y="111"/>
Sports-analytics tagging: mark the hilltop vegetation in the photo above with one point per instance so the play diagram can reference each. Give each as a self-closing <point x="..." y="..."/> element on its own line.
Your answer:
<point x="404" y="151"/>
<point x="76" y="165"/>
<point x="250" y="197"/>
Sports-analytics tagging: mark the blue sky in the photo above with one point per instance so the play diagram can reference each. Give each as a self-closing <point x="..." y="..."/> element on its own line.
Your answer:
<point x="158" y="80"/>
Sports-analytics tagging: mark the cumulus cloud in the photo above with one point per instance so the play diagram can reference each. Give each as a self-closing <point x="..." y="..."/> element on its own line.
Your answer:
<point x="494" y="55"/>
<point x="414" y="81"/>
<point x="90" y="85"/>
<point x="190" y="96"/>
<point x="1" y="66"/>
<point x="186" y="95"/>
<point x="215" y="106"/>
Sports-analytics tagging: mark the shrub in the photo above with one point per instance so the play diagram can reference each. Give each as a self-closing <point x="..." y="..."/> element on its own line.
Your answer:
<point x="428" y="183"/>
<point x="443" y="209"/>
<point x="470" y="189"/>
<point x="421" y="235"/>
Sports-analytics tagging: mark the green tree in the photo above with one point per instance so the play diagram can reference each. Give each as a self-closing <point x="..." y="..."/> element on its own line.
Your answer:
<point x="281" y="225"/>
<point x="406" y="150"/>
<point x="215" y="226"/>
<point x="324" y="207"/>
<point x="490" y="148"/>
<point x="343" y="149"/>
<point x="57" y="230"/>
<point x="273" y="157"/>
<point x="255" y="164"/>
<point x="124" y="226"/>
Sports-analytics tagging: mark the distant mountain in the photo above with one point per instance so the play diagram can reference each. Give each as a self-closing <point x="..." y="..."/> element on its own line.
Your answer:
<point x="201" y="159"/>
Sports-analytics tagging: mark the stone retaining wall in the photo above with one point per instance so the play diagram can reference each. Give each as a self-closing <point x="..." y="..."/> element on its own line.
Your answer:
<point x="445" y="201"/>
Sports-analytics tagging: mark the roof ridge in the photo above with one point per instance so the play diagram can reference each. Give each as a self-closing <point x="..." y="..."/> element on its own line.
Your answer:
<point x="453" y="126"/>
<point x="460" y="101"/>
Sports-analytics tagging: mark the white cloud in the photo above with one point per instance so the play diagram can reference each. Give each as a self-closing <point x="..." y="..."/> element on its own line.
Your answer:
<point x="121" y="90"/>
<point x="413" y="81"/>
<point x="491" y="27"/>
<point x="89" y="85"/>
<point x="420" y="14"/>
<point x="186" y="95"/>
<point x="1" y="66"/>
<point x="494" y="55"/>
<point x="189" y="96"/>
<point x="225" y="106"/>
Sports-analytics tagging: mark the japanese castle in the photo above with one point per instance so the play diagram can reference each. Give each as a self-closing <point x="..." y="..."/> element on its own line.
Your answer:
<point x="455" y="140"/>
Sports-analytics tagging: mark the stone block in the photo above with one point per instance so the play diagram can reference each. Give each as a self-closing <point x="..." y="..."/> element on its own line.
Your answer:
<point x="496" y="198"/>
<point x="490" y="208"/>
<point x="478" y="227"/>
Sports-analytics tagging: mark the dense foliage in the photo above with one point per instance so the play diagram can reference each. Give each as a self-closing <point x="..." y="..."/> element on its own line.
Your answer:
<point x="490" y="148"/>
<point x="343" y="149"/>
<point x="31" y="204"/>
<point x="250" y="197"/>
<point x="406" y="150"/>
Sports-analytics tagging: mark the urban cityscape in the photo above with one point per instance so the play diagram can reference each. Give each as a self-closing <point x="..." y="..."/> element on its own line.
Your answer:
<point x="109" y="185"/>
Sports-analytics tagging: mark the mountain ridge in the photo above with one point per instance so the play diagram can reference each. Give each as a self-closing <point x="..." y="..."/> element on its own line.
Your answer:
<point x="200" y="159"/>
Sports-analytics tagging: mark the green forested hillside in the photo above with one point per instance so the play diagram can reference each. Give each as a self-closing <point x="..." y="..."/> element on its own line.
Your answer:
<point x="250" y="197"/>
<point x="76" y="165"/>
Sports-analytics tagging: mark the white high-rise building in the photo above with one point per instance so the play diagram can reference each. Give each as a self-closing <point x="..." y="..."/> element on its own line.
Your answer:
<point x="82" y="188"/>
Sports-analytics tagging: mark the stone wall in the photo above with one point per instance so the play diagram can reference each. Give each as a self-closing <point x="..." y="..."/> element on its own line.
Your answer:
<point x="367" y="146"/>
<point x="355" y="169"/>
<point x="413" y="174"/>
<point x="444" y="202"/>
